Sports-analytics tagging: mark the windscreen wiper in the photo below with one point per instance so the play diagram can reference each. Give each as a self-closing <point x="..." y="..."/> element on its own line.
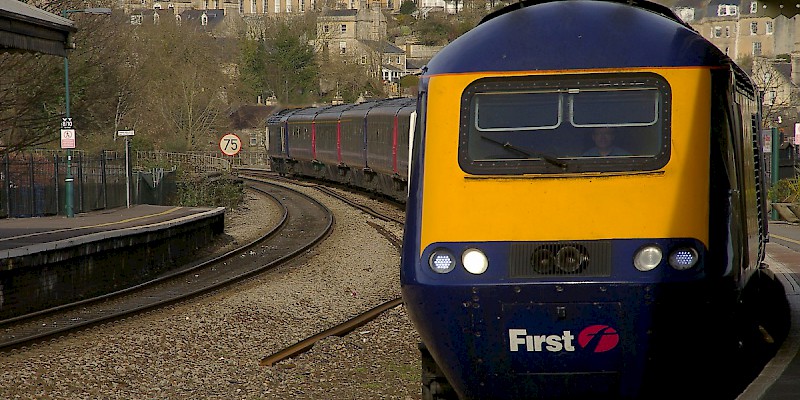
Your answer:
<point x="528" y="152"/>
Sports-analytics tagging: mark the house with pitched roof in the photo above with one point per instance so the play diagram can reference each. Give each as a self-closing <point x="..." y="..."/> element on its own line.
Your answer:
<point x="359" y="36"/>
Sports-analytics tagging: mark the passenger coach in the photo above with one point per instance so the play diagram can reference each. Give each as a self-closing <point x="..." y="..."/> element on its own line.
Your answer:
<point x="363" y="144"/>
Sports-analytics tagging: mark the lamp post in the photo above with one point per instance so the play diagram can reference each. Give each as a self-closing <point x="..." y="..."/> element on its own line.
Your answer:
<point x="68" y="185"/>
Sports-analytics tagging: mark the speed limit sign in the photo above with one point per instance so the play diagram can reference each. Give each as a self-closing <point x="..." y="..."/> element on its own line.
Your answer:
<point x="230" y="144"/>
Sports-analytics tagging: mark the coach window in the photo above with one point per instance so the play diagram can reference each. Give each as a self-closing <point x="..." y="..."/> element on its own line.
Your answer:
<point x="566" y="124"/>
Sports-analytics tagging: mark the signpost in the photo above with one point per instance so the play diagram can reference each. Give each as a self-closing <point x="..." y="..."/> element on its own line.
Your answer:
<point x="230" y="144"/>
<point x="68" y="143"/>
<point x="127" y="133"/>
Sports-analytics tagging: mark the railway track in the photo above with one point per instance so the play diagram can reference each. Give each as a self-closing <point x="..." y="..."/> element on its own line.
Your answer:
<point x="285" y="240"/>
<point x="356" y="321"/>
<point x="260" y="175"/>
<point x="304" y="224"/>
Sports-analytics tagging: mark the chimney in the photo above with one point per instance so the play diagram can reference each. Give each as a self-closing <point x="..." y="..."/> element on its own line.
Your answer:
<point x="795" y="68"/>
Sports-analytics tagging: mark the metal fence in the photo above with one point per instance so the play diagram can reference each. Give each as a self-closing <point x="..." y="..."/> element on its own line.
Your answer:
<point x="33" y="183"/>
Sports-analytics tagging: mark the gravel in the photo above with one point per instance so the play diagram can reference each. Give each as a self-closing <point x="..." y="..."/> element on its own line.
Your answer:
<point x="210" y="347"/>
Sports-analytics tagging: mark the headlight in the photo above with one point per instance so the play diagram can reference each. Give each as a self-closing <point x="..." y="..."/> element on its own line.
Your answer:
<point x="683" y="258"/>
<point x="474" y="261"/>
<point x="647" y="258"/>
<point x="442" y="261"/>
<point x="543" y="260"/>
<point x="569" y="259"/>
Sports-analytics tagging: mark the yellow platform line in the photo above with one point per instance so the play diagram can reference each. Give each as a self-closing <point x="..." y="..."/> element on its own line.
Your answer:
<point x="785" y="239"/>
<point x="93" y="226"/>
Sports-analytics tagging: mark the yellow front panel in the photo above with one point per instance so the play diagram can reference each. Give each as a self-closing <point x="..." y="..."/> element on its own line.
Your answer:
<point x="670" y="202"/>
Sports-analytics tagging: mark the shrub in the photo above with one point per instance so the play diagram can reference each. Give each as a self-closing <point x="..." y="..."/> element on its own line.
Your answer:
<point x="785" y="191"/>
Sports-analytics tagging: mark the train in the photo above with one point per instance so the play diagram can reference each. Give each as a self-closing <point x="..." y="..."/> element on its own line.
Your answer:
<point x="585" y="205"/>
<point x="365" y="145"/>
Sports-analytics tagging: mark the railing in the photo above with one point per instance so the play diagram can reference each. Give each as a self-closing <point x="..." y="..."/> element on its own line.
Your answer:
<point x="202" y="162"/>
<point x="32" y="183"/>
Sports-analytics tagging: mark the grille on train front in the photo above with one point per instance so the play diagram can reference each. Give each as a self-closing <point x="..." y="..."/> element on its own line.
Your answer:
<point x="567" y="258"/>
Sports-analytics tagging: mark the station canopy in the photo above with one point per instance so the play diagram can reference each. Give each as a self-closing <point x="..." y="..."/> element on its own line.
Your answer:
<point x="27" y="28"/>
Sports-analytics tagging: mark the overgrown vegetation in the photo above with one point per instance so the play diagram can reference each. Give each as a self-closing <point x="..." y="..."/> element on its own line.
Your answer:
<point x="209" y="190"/>
<point x="785" y="191"/>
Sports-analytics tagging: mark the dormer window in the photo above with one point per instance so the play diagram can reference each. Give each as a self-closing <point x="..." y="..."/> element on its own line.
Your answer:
<point x="753" y="7"/>
<point x="724" y="10"/>
<point x="204" y="19"/>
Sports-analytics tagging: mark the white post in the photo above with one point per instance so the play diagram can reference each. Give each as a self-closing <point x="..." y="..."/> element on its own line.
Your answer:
<point x="127" y="172"/>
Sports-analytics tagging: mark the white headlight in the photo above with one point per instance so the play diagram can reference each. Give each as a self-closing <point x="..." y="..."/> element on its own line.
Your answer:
<point x="683" y="258"/>
<point x="647" y="258"/>
<point x="442" y="261"/>
<point x="474" y="261"/>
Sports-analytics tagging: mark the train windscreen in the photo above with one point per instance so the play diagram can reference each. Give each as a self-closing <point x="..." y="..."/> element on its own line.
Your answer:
<point x="602" y="122"/>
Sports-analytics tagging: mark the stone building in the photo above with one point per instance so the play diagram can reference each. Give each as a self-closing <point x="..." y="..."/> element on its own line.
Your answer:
<point x="247" y="8"/>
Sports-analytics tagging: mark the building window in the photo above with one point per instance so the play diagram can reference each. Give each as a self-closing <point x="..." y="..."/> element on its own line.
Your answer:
<point x="753" y="28"/>
<point x="277" y="6"/>
<point x="756" y="48"/>
<point x="769" y="28"/>
<point x="302" y="6"/>
<point x="136" y="19"/>
<point x="288" y="6"/>
<point x="363" y="59"/>
<point x="753" y="7"/>
<point x="343" y="28"/>
<point x="685" y="13"/>
<point x="727" y="31"/>
<point x="342" y="47"/>
<point x="325" y="29"/>
<point x="724" y="10"/>
<point x="253" y="6"/>
<point x="770" y="97"/>
<point x="717" y="31"/>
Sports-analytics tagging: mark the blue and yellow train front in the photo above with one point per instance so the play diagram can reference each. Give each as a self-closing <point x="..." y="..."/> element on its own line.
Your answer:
<point x="536" y="267"/>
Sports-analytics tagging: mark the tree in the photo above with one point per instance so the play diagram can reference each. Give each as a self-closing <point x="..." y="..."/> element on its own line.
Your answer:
<point x="32" y="98"/>
<point x="32" y="88"/>
<point x="408" y="7"/>
<point x="252" y="80"/>
<point x="182" y="90"/>
<point x="292" y="70"/>
<point x="780" y="96"/>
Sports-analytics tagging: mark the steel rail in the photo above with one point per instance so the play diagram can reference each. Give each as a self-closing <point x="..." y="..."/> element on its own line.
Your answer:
<point x="169" y="290"/>
<point x="338" y="330"/>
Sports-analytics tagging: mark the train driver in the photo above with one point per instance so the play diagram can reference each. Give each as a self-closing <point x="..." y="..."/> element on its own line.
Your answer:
<point x="604" y="144"/>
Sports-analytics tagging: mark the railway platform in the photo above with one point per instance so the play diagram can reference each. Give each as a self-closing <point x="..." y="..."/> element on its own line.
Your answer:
<point x="48" y="261"/>
<point x="780" y="378"/>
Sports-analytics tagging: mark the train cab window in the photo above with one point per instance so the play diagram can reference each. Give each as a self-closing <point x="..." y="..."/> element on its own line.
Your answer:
<point x="564" y="124"/>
